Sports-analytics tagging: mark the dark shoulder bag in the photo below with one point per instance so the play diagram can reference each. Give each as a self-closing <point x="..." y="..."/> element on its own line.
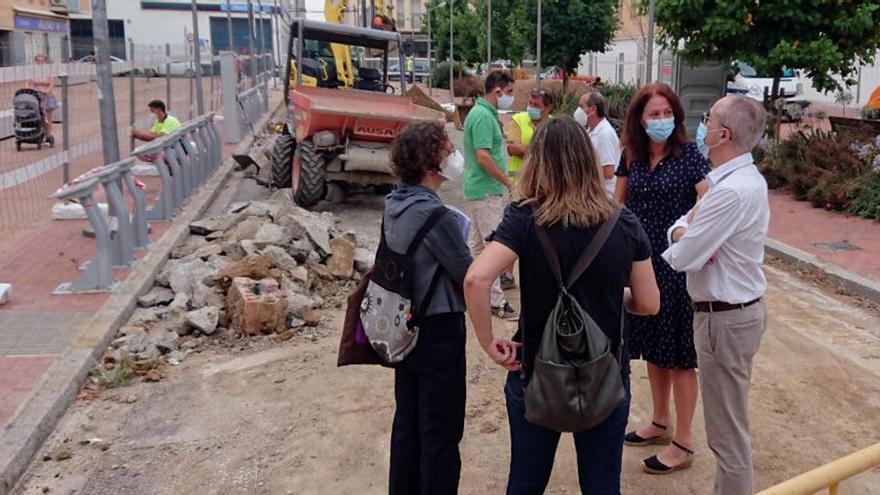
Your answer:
<point x="576" y="382"/>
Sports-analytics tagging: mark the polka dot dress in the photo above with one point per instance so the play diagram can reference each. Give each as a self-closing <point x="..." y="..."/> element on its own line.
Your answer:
<point x="659" y="198"/>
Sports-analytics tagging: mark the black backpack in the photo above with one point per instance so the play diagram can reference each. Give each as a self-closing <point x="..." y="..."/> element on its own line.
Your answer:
<point x="576" y="382"/>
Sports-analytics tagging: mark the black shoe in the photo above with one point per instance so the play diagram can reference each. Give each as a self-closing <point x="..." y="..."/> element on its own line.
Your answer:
<point x="632" y="438"/>
<point x="507" y="282"/>
<point x="652" y="465"/>
<point x="505" y="312"/>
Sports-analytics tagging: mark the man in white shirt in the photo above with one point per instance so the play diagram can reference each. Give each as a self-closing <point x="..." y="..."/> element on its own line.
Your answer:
<point x="720" y="244"/>
<point x="591" y="113"/>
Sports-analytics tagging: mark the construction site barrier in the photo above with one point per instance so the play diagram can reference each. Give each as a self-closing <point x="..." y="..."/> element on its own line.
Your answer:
<point x="830" y="475"/>
<point x="242" y="108"/>
<point x="185" y="159"/>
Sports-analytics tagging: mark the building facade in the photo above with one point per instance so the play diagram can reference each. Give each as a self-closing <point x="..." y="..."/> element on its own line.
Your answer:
<point x="155" y="23"/>
<point x="36" y="27"/>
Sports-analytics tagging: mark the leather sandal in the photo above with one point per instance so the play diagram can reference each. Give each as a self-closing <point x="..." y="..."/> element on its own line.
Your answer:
<point x="653" y="465"/>
<point x="634" y="439"/>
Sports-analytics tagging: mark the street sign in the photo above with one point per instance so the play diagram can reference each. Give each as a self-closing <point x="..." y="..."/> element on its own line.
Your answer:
<point x="190" y="37"/>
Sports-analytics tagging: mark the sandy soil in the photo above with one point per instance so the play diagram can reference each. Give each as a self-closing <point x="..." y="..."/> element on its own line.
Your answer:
<point x="260" y="417"/>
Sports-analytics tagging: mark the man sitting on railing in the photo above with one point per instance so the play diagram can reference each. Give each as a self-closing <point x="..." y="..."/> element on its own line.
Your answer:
<point x="164" y="124"/>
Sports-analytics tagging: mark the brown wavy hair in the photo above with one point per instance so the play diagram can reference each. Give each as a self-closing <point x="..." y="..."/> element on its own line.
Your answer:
<point x="635" y="142"/>
<point x="560" y="179"/>
<point x="417" y="150"/>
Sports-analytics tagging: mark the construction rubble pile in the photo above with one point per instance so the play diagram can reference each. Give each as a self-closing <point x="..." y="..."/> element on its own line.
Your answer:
<point x="261" y="268"/>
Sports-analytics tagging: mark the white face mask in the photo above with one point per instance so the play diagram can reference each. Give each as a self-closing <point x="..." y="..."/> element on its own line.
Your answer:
<point x="452" y="167"/>
<point x="580" y="116"/>
<point x="505" y="101"/>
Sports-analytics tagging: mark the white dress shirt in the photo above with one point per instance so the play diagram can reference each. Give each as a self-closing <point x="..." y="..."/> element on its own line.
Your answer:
<point x="723" y="248"/>
<point x="607" y="146"/>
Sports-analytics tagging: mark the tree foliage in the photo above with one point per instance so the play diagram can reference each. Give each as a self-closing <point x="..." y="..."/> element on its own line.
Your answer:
<point x="826" y="39"/>
<point x="569" y="29"/>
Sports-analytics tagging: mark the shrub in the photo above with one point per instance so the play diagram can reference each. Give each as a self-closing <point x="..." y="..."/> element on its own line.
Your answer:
<point x="617" y="98"/>
<point x="870" y="113"/>
<point x="440" y="77"/>
<point x="866" y="197"/>
<point x="469" y="86"/>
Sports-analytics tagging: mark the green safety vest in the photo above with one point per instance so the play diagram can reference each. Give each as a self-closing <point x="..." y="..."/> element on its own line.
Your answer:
<point x="526" y="131"/>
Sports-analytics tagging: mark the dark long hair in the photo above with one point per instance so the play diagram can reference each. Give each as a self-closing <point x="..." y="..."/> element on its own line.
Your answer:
<point x="635" y="142"/>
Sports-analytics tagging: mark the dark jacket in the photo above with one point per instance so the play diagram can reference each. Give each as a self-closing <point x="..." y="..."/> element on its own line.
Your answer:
<point x="406" y="210"/>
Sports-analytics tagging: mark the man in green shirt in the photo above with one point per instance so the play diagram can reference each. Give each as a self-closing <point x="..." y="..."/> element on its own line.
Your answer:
<point x="485" y="183"/>
<point x="164" y="123"/>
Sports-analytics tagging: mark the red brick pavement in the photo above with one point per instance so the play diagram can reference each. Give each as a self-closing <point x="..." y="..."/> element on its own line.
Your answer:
<point x="18" y="375"/>
<point x="35" y="261"/>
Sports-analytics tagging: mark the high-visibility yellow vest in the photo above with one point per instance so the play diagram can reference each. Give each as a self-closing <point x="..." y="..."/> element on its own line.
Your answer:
<point x="526" y="131"/>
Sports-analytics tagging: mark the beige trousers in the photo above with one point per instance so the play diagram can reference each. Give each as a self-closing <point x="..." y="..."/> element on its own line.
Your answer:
<point x="726" y="343"/>
<point x="486" y="215"/>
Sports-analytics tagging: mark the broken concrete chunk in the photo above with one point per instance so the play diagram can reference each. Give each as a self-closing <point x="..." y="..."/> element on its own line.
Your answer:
<point x="271" y="234"/>
<point x="157" y="296"/>
<point x="205" y="320"/>
<point x="363" y="260"/>
<point x="341" y="264"/>
<point x="254" y="267"/>
<point x="247" y="229"/>
<point x="207" y="225"/>
<point x="279" y="257"/>
<point x="300" y="275"/>
<point x="5" y="293"/>
<point x="298" y="304"/>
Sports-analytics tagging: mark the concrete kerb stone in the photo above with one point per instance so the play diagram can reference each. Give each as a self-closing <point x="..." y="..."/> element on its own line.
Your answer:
<point x="852" y="282"/>
<point x="35" y="419"/>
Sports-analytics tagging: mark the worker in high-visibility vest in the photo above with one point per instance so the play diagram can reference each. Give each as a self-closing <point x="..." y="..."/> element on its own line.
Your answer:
<point x="411" y="68"/>
<point x="523" y="126"/>
<point x="519" y="135"/>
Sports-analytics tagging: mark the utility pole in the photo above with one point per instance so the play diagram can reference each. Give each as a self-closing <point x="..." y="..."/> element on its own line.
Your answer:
<point x="197" y="56"/>
<point x="451" y="55"/>
<point x="229" y="24"/>
<point x="538" y="61"/>
<point x="649" y="48"/>
<point x="489" y="31"/>
<point x="430" y="60"/>
<point x="262" y="36"/>
<point x="277" y="17"/>
<point x="106" y="100"/>
<point x="252" y="62"/>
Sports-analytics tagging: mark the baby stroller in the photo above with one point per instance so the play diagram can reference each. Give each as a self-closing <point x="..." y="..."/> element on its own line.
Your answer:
<point x="29" y="119"/>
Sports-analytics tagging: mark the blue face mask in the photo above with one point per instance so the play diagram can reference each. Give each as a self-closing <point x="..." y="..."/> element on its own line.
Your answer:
<point x="702" y="131"/>
<point x="534" y="113"/>
<point x="659" y="130"/>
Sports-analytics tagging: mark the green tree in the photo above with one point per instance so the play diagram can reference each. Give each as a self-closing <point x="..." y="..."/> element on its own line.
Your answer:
<point x="824" y="38"/>
<point x="469" y="30"/>
<point x="569" y="28"/>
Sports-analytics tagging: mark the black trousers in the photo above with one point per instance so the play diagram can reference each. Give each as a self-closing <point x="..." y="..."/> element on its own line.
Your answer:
<point x="430" y="390"/>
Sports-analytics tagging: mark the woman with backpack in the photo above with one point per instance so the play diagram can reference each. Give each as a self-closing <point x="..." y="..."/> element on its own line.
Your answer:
<point x="561" y="222"/>
<point x="429" y="383"/>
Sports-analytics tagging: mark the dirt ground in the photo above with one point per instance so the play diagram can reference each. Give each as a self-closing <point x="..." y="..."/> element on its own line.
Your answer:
<point x="260" y="417"/>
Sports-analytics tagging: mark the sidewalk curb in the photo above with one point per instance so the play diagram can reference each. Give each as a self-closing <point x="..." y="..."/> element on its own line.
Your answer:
<point x="849" y="280"/>
<point x="36" y="419"/>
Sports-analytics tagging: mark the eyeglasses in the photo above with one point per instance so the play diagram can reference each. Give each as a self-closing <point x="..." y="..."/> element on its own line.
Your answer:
<point x="540" y="92"/>
<point x="706" y="118"/>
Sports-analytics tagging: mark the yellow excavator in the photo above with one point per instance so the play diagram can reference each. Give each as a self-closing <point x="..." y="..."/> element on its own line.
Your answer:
<point x="334" y="10"/>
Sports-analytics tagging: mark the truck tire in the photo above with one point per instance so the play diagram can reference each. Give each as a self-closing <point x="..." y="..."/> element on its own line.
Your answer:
<point x="312" y="184"/>
<point x="282" y="161"/>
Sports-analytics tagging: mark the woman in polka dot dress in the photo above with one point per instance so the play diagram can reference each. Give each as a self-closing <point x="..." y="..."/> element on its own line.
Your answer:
<point x="660" y="176"/>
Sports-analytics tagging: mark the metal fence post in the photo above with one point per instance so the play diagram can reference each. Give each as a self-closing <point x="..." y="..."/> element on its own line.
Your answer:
<point x="213" y="81"/>
<point x="232" y="126"/>
<point x="620" y="69"/>
<point x="65" y="110"/>
<point x="168" y="76"/>
<point x="131" y="94"/>
<point x="191" y="78"/>
<point x="106" y="101"/>
<point x="197" y="57"/>
<point x="252" y="60"/>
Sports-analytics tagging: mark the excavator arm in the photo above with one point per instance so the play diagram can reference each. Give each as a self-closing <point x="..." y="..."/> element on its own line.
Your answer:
<point x="333" y="12"/>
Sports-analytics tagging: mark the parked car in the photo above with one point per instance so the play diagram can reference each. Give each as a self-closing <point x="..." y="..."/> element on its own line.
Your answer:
<point x="747" y="81"/>
<point x="185" y="69"/>
<point x="421" y="67"/>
